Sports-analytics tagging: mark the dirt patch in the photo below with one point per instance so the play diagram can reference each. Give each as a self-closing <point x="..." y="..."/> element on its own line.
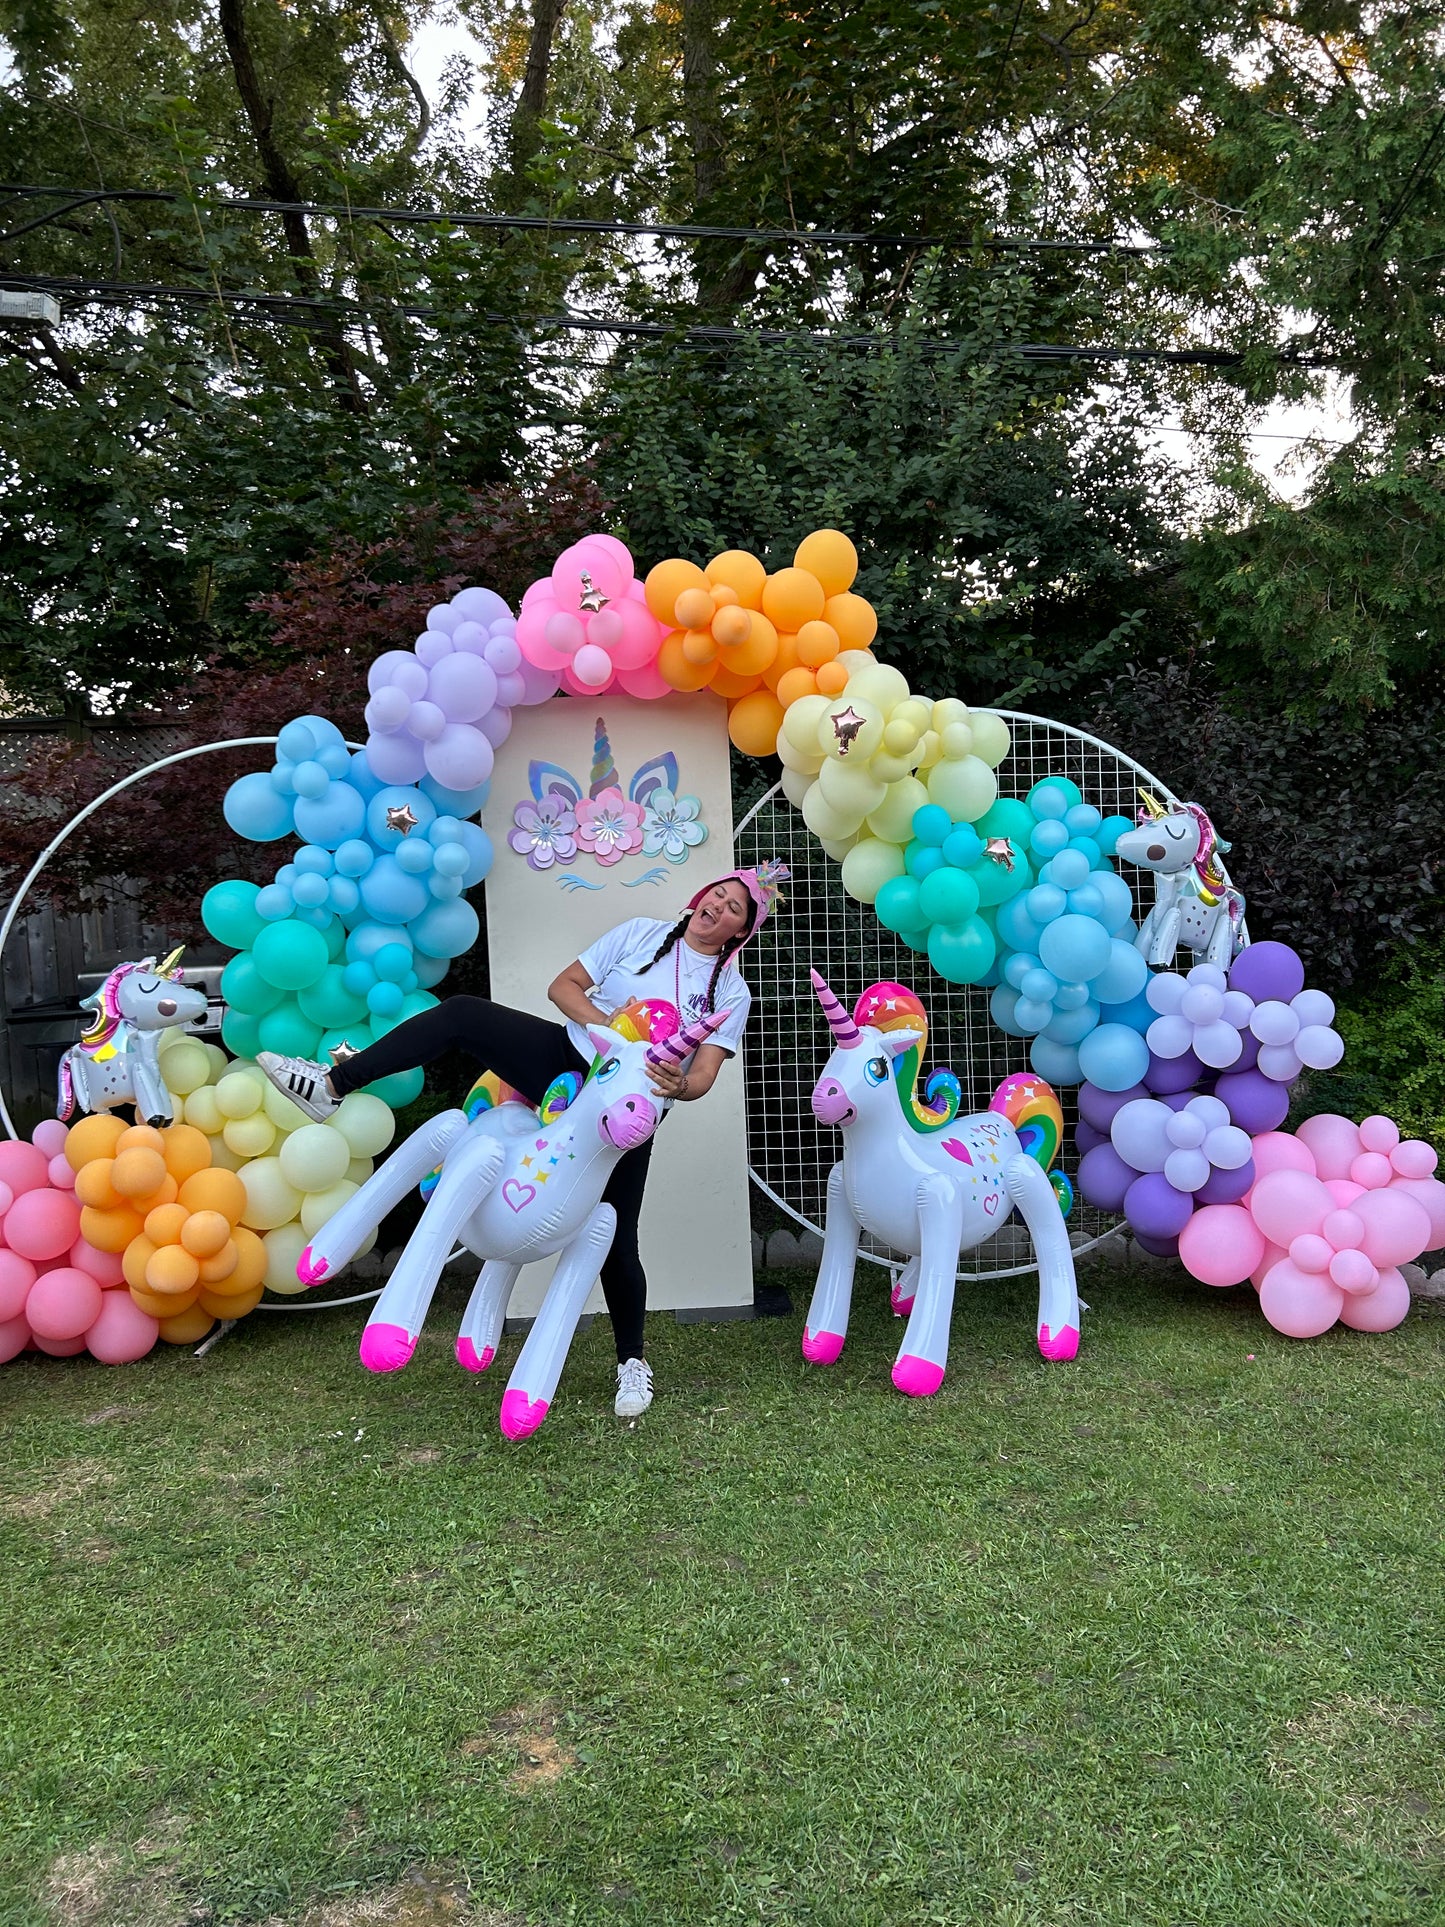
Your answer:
<point x="105" y="1886"/>
<point x="421" y="1899"/>
<point x="58" y="1486"/>
<point x="106" y="1413"/>
<point x="528" y="1734"/>
<point x="1372" y="1770"/>
<point x="422" y="1455"/>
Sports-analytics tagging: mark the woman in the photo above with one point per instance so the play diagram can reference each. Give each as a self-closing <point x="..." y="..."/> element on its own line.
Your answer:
<point x="689" y="964"/>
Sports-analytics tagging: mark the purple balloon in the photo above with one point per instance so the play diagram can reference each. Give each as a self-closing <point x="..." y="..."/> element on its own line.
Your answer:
<point x="1100" y="1108"/>
<point x="1155" y="1209"/>
<point x="1226" y="1187"/>
<point x="496" y="726"/>
<point x="397" y="669"/>
<point x="433" y="647"/>
<point x="395" y="759"/>
<point x="1249" y="1056"/>
<point x="1104" y="1178"/>
<point x="538" y="685"/>
<point x="463" y="687"/>
<point x="461" y="757"/>
<point x="1256" y="1103"/>
<point x="1168" y="1074"/>
<point x="1268" y="971"/>
<point x="1157" y="1247"/>
<point x="1086" y="1138"/>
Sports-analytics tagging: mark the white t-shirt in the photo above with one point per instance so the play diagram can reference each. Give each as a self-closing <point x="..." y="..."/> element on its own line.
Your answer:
<point x="621" y="968"/>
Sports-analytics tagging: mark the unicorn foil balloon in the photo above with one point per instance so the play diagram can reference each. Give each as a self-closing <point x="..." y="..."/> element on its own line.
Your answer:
<point x="513" y="1183"/>
<point x="117" y="1060"/>
<point x="1194" y="905"/>
<point x="930" y="1183"/>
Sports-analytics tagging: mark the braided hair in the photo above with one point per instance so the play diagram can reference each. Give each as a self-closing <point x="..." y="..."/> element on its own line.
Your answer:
<point x="728" y="951"/>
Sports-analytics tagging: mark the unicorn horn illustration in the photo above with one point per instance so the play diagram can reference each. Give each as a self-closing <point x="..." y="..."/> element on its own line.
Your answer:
<point x="604" y="770"/>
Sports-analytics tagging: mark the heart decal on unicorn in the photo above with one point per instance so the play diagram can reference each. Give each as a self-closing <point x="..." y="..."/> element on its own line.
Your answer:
<point x="517" y="1195"/>
<point x="956" y="1148"/>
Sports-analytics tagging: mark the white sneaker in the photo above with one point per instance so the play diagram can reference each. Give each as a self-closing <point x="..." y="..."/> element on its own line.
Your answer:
<point x="634" y="1388"/>
<point x="302" y="1081"/>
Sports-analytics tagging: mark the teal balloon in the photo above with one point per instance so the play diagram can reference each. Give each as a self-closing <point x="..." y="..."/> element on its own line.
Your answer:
<point x="290" y="955"/>
<point x="996" y="883"/>
<point x="916" y="937"/>
<point x="1008" y="817"/>
<point x="922" y="859"/>
<point x="398" y="1090"/>
<point x="228" y="910"/>
<point x="328" y="1002"/>
<point x="1109" y="832"/>
<point x="354" y="1036"/>
<point x="1053" y="787"/>
<point x="896" y="905"/>
<point x="961" y="953"/>
<point x="245" y="989"/>
<point x="931" y="824"/>
<point x="287" y="1031"/>
<point x="948" y="896"/>
<point x="241" y="1033"/>
<point x="962" y="847"/>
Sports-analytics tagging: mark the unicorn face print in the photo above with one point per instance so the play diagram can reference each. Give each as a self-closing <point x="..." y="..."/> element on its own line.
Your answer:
<point x="566" y="820"/>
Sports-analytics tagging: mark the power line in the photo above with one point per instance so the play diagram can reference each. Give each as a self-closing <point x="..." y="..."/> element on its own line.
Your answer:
<point x="545" y="223"/>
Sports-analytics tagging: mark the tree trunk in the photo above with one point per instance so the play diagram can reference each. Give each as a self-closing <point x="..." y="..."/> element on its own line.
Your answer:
<point x="532" y="101"/>
<point x="726" y="270"/>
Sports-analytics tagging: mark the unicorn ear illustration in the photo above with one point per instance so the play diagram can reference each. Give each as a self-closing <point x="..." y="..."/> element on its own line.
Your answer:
<point x="659" y="774"/>
<point x="551" y="779"/>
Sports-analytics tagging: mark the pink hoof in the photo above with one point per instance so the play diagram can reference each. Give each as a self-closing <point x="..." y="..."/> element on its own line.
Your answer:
<point x="471" y="1358"/>
<point x="918" y="1377"/>
<point x="902" y="1307"/>
<point x="520" y="1415"/>
<point x="821" y="1348"/>
<point x="1066" y="1345"/>
<point x="386" y="1348"/>
<point x="311" y="1269"/>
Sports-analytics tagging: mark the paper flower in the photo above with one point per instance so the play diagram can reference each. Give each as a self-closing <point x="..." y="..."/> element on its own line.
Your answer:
<point x="546" y="832"/>
<point x="609" y="826"/>
<point x="670" y="825"/>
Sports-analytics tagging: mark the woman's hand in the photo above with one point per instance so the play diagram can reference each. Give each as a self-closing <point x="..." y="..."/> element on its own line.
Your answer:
<point x="668" y="1081"/>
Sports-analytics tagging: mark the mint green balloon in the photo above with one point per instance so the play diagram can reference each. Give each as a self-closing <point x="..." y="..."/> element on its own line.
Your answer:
<point x="241" y="1033"/>
<point x="1008" y="817"/>
<point x="962" y="953"/>
<point x="328" y="1002"/>
<point x="290" y="955"/>
<point x="287" y="1031"/>
<point x="245" y="989"/>
<point x="228" y="910"/>
<point x="948" y="896"/>
<point x="997" y="882"/>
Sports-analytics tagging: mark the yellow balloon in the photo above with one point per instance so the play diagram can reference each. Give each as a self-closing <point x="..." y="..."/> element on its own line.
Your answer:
<point x="917" y="710"/>
<point x="808" y="763"/>
<point x="957" y="740"/>
<point x="366" y="1123"/>
<point x="929" y="750"/>
<point x="270" y="1200"/>
<point x="824" y="821"/>
<point x="239" y="1094"/>
<point x="893" y="818"/>
<point x="800" y="724"/>
<point x="204" y="1112"/>
<point x="318" y="1206"/>
<point x="868" y="866"/>
<point x="851" y="788"/>
<point x="967" y="788"/>
<point x="359" y="1169"/>
<point x="837" y="850"/>
<point x="222" y="1156"/>
<point x="891" y="769"/>
<point x="797" y="783"/>
<point x="217" y="1059"/>
<point x="831" y="557"/>
<point x="850" y="661"/>
<point x="850" y="729"/>
<point x="948" y="709"/>
<point x="250" y="1137"/>
<point x="185" y="1066"/>
<point x="285" y="1115"/>
<point x="991" y="738"/>
<point x="284" y="1247"/>
<point x="880" y="684"/>
<point x="901" y="736"/>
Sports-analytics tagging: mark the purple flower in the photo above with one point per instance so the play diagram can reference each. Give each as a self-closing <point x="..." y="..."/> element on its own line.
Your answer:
<point x="545" y="832"/>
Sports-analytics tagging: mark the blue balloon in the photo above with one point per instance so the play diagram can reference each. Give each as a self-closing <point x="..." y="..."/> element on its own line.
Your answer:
<point x="392" y="961"/>
<point x="1069" y="869"/>
<point x="931" y="825"/>
<point x="335" y="759"/>
<point x="1085" y="901"/>
<point x="429" y="971"/>
<point x="358" y="977"/>
<point x="1076" y="949"/>
<point x="390" y="895"/>
<point x="478" y="846"/>
<point x="1113" y="1057"/>
<point x="354" y="858"/>
<point x="446" y="929"/>
<point x="1118" y="899"/>
<point x="1089" y="850"/>
<point x="332" y="818"/>
<point x="1109" y="832"/>
<point x="922" y="859"/>
<point x="384" y="999"/>
<point x="1038" y="985"/>
<point x="1138" y="1013"/>
<point x="295" y="742"/>
<point x="274" y="903"/>
<point x="367" y="938"/>
<point x="310" y="891"/>
<point x="362" y="778"/>
<point x="1048" y="838"/>
<point x="256" y="810"/>
<point x="323" y="731"/>
<point x="1018" y="967"/>
<point x="315" y="914"/>
<point x="396" y="797"/>
<point x="415" y="856"/>
<point x="1057" y="1064"/>
<point x="1048" y="803"/>
<point x="451" y="859"/>
<point x="1082" y="820"/>
<point x="456" y="802"/>
<point x="1031" y="1016"/>
<point x="311" y="857"/>
<point x="1072" y="996"/>
<point x="1070" y="1026"/>
<point x="1123" y="977"/>
<point x="962" y="847"/>
<point x="444" y="888"/>
<point x="1001" y="1009"/>
<point x="343" y="895"/>
<point x="310" y="779"/>
<point x="1016" y="927"/>
<point x="1045" y="902"/>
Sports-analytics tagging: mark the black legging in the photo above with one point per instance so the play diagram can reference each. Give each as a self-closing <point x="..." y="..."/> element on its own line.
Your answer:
<point x="527" y="1053"/>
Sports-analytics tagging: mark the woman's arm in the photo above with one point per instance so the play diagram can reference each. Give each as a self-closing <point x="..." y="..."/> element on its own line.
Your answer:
<point x="569" y="993"/>
<point x="696" y="1081"/>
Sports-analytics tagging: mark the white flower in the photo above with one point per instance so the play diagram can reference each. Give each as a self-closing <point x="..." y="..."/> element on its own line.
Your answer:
<point x="670" y="825"/>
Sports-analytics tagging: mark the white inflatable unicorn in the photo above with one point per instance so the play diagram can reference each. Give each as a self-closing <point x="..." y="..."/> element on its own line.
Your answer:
<point x="1193" y="904"/>
<point x="514" y="1184"/>
<point x="117" y="1060"/>
<point x="930" y="1184"/>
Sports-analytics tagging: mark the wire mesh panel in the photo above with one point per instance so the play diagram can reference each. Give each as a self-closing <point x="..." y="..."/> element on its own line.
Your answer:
<point x="789" y="1153"/>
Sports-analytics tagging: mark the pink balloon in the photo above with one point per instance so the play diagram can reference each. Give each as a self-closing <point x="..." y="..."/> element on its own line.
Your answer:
<point x="532" y="635"/>
<point x="395" y="759"/>
<point x="646" y="683"/>
<point x="592" y="666"/>
<point x="1397" y="1229"/>
<point x="14" y="1337"/>
<point x="573" y="684"/>
<point x="1220" y="1245"/>
<point x="460" y="758"/>
<point x="1285" y="1203"/>
<point x="610" y="576"/>
<point x="1280" y="1151"/>
<point x="63" y="1304"/>
<point x="1333" y="1141"/>
<point x="1429" y="1194"/>
<point x="122" y="1332"/>
<point x="605" y="628"/>
<point x="106" y="1267"/>
<point x="1414" y="1158"/>
<point x="1372" y="1169"/>
<point x="1343" y="1192"/>
<point x="42" y="1224"/>
<point x="49" y="1137"/>
<point x="1273" y="1255"/>
<point x="541" y="590"/>
<point x="1345" y="1230"/>
<point x="17" y="1275"/>
<point x="62" y="1178"/>
<point x="23" y="1166"/>
<point x="1297" y="1304"/>
<point x="565" y="633"/>
<point x="1312" y="1253"/>
<point x="641" y="637"/>
<point x="58" y="1347"/>
<point x="613" y="546"/>
<point x="1379" y="1134"/>
<point x="7" y="1198"/>
<point x="1381" y="1309"/>
<point x="1352" y="1271"/>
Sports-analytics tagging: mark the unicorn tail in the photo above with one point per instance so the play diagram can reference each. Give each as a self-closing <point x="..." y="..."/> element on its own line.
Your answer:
<point x="1033" y="1109"/>
<point x="67" y="1090"/>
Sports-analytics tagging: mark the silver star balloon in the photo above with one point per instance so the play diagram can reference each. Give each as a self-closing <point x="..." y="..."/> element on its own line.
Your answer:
<point x="402" y="817"/>
<point x="997" y="850"/>
<point x="591" y="598"/>
<point x="343" y="1053"/>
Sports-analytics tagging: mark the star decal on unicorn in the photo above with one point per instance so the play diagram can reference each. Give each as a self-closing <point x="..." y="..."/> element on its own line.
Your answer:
<point x="403" y="818"/>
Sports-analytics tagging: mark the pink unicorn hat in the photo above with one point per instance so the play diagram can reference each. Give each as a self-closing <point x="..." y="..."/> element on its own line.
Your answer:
<point x="763" y="885"/>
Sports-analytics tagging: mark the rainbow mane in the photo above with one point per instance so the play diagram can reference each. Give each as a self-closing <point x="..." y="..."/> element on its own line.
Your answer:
<point x="107" y="1019"/>
<point x="1033" y="1109"/>
<point x="1206" y="866"/>
<point x="894" y="1007"/>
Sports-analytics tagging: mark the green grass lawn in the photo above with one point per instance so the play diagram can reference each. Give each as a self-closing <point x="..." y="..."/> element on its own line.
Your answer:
<point x="1155" y="1637"/>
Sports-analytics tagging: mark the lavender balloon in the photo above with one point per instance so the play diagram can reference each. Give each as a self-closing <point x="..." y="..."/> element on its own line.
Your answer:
<point x="1256" y="1103"/>
<point x="1155" y="1209"/>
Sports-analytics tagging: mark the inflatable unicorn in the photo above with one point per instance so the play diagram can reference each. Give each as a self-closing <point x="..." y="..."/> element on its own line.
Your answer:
<point x="1193" y="904"/>
<point x="117" y="1060"/>
<point x="931" y="1184"/>
<point x="514" y="1184"/>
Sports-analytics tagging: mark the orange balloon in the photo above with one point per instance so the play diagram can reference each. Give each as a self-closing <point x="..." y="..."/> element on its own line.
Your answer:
<point x="138" y="1254"/>
<point x="215" y="1190"/>
<point x="797" y="682"/>
<point x="725" y="683"/>
<point x="165" y="1193"/>
<point x="676" y="670"/>
<point x="785" y="657"/>
<point x="754" y="722"/>
<point x="831" y="557"/>
<point x="855" y="620"/>
<point x="251" y="1259"/>
<point x="165" y="1224"/>
<point x="93" y="1185"/>
<point x="699" y="648"/>
<point x="724" y="596"/>
<point x="138" y="1170"/>
<point x="187" y="1327"/>
<point x="137" y="1137"/>
<point x="832" y="679"/>
<point x="187" y="1150"/>
<point x="92" y="1137"/>
<point x="752" y="657"/>
<point x="667" y="582"/>
<point x="203" y="1232"/>
<point x="163" y="1304"/>
<point x="731" y="626"/>
<point x="169" y="1269"/>
<point x="817" y="644"/>
<point x="220" y="1266"/>
<point x="694" y="609"/>
<point x="793" y="597"/>
<point x="741" y="572"/>
<point x="235" y="1306"/>
<point x="109" y="1230"/>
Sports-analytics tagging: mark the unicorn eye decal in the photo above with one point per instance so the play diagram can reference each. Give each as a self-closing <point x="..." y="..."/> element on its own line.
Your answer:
<point x="607" y="1068"/>
<point x="876" y="1070"/>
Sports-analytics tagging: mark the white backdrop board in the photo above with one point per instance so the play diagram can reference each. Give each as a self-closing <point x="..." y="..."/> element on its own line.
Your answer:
<point x="695" y="1235"/>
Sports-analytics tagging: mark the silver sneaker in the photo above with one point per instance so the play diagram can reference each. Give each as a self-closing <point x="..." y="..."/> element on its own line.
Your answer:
<point x="303" y="1082"/>
<point x="634" y="1388"/>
